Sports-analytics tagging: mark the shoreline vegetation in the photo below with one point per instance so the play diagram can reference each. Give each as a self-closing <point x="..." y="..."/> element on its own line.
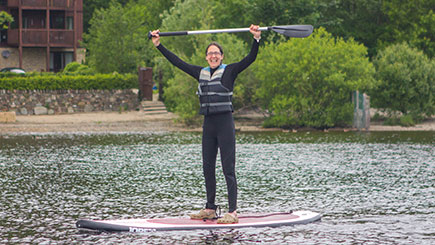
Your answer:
<point x="139" y="121"/>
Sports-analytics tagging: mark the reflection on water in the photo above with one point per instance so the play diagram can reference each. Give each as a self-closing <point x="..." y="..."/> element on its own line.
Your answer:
<point x="370" y="187"/>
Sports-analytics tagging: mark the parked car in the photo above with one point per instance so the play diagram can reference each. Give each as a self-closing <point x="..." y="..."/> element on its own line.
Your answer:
<point x="13" y="70"/>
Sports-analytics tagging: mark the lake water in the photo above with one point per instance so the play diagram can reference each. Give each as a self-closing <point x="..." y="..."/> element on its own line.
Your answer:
<point x="371" y="188"/>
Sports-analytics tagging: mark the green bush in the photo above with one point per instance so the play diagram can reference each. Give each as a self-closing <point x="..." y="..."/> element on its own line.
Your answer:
<point x="406" y="121"/>
<point x="12" y="74"/>
<point x="407" y="82"/>
<point x="58" y="82"/>
<point x="391" y="121"/>
<point x="75" y="68"/>
<point x="377" y="117"/>
<point x="308" y="82"/>
<point x="117" y="37"/>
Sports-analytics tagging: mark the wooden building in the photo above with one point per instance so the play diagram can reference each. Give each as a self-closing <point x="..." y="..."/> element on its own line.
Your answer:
<point x="45" y="34"/>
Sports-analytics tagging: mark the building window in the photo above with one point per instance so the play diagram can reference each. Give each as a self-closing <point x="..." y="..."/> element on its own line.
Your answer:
<point x="3" y="2"/>
<point x="58" y="60"/>
<point x="57" y="20"/>
<point x="4" y="36"/>
<point x="33" y="19"/>
<point x="69" y="23"/>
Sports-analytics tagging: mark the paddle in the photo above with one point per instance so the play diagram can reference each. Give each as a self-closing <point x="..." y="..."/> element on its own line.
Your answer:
<point x="289" y="31"/>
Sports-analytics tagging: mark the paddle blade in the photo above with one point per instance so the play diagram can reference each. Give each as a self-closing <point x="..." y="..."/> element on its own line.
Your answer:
<point x="294" y="30"/>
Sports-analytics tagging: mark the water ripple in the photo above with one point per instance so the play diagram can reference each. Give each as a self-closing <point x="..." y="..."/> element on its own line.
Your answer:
<point x="376" y="188"/>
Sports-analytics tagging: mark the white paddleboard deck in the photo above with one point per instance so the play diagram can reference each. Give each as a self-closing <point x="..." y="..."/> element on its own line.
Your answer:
<point x="185" y="223"/>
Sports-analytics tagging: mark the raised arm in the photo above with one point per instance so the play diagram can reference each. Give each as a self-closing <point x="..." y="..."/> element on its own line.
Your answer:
<point x="192" y="70"/>
<point x="250" y="58"/>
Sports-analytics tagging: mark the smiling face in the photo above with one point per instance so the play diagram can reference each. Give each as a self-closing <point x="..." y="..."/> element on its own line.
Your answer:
<point x="214" y="56"/>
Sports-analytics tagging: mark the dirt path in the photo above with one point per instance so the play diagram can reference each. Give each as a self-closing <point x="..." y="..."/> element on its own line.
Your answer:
<point x="138" y="121"/>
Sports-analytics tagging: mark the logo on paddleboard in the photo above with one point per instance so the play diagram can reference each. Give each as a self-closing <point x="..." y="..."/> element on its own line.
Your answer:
<point x="140" y="230"/>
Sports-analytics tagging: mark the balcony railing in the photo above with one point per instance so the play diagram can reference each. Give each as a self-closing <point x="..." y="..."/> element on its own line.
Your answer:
<point x="38" y="38"/>
<point x="62" y="38"/>
<point x="62" y="4"/>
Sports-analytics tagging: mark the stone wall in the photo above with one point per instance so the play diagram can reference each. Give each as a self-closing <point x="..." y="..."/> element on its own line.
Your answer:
<point x="38" y="102"/>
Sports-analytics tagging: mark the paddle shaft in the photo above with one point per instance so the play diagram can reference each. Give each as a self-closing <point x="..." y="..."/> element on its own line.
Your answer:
<point x="183" y="33"/>
<point x="289" y="31"/>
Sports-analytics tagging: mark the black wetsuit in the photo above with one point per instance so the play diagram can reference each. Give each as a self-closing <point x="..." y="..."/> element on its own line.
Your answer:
<point x="218" y="129"/>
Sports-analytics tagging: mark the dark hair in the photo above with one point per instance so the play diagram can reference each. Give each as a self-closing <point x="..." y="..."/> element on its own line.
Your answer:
<point x="214" y="44"/>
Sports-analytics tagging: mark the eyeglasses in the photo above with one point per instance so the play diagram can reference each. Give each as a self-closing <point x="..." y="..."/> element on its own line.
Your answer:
<point x="213" y="53"/>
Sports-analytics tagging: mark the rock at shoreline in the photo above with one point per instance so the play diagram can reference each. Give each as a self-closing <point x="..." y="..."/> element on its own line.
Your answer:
<point x="6" y="117"/>
<point x="40" y="110"/>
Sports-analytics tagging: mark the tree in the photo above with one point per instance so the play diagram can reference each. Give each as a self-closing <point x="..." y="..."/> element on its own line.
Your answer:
<point x="239" y="13"/>
<point x="117" y="39"/>
<point x="362" y="20"/>
<point x="186" y="15"/>
<point x="5" y="20"/>
<point x="308" y="82"/>
<point x="412" y="22"/>
<point x="90" y="6"/>
<point x="378" y="24"/>
<point x="156" y="7"/>
<point x="407" y="81"/>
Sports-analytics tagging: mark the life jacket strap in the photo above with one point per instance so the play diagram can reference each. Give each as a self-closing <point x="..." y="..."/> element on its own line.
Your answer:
<point x="215" y="104"/>
<point x="215" y="93"/>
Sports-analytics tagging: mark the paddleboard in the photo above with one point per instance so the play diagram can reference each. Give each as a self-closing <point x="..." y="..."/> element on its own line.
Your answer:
<point x="185" y="223"/>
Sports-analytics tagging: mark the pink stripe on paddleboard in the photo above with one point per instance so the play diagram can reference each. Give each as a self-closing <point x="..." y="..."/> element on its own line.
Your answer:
<point x="243" y="219"/>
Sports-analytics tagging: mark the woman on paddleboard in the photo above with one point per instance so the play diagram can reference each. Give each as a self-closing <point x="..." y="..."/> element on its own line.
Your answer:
<point x="215" y="89"/>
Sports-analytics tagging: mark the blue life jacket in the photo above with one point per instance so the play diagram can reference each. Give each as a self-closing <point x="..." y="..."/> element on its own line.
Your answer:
<point x="214" y="98"/>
